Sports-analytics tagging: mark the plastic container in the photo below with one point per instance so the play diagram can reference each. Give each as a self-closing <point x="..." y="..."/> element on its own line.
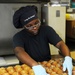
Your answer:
<point x="72" y="3"/>
<point x="70" y="16"/>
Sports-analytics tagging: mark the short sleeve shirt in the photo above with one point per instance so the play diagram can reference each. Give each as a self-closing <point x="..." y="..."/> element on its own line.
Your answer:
<point x="37" y="46"/>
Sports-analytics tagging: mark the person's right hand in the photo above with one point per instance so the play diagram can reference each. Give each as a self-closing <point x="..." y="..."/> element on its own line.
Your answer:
<point x="39" y="70"/>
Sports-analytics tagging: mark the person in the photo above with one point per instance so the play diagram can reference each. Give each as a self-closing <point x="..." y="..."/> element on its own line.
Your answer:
<point x="31" y="44"/>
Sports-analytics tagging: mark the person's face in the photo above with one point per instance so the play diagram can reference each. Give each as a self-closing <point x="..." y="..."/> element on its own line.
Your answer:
<point x="33" y="26"/>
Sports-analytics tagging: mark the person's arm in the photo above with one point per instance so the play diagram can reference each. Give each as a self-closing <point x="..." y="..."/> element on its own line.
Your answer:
<point x="63" y="48"/>
<point x="24" y="57"/>
<point x="67" y="64"/>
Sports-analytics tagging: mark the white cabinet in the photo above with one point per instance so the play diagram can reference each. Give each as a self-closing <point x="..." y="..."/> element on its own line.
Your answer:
<point x="55" y="17"/>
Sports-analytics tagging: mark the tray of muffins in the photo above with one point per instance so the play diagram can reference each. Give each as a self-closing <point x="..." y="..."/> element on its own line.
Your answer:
<point x="53" y="67"/>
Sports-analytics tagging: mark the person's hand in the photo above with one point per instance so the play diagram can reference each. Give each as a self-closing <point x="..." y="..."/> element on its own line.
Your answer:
<point x="39" y="70"/>
<point x="68" y="65"/>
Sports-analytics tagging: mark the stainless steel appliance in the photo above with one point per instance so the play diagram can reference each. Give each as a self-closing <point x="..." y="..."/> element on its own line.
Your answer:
<point x="7" y="31"/>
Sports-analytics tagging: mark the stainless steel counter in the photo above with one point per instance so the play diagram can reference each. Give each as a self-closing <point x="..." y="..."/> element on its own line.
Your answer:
<point x="8" y="60"/>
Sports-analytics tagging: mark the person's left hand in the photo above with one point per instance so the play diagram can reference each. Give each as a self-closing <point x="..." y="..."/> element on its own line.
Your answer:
<point x="68" y="65"/>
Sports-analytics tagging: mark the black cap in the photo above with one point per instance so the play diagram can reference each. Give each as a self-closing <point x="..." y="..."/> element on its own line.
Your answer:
<point x="24" y="15"/>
